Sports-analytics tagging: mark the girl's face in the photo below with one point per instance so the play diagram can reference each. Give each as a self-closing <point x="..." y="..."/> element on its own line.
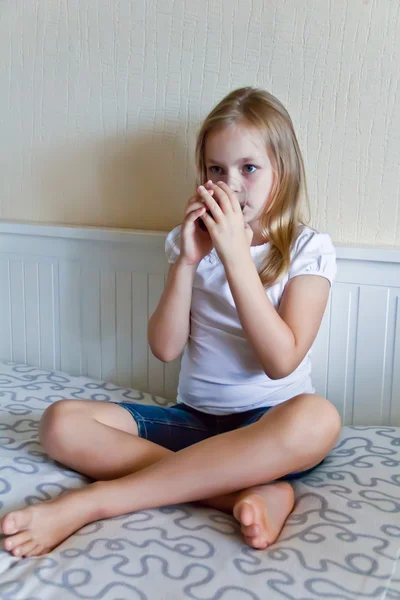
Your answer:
<point x="237" y="153"/>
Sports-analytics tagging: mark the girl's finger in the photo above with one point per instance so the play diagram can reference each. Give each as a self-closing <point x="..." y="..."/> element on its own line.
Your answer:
<point x="208" y="186"/>
<point x="232" y="196"/>
<point x="196" y="198"/>
<point x="194" y="206"/>
<point x="195" y="214"/>
<point x="222" y="197"/>
<point x="211" y="204"/>
<point x="208" y="221"/>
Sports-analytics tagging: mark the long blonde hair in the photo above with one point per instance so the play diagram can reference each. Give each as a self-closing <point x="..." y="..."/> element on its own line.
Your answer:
<point x="283" y="211"/>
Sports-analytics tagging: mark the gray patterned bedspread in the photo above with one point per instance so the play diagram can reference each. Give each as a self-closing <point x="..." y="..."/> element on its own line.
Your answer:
<point x="341" y="541"/>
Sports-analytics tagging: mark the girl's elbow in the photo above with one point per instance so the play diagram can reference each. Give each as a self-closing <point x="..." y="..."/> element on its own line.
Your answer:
<point x="275" y="374"/>
<point x="162" y="355"/>
<point x="155" y="349"/>
<point x="279" y="371"/>
<point x="164" y="352"/>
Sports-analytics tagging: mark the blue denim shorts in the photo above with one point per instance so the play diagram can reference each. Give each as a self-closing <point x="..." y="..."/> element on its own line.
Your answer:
<point x="176" y="427"/>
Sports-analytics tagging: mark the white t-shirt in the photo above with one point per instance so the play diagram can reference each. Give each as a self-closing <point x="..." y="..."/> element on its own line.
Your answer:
<point x="220" y="372"/>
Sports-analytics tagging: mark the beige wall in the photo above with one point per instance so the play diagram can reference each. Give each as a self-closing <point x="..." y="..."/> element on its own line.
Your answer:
<point x="100" y="102"/>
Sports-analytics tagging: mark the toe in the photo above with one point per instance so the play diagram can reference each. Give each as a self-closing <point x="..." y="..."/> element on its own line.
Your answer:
<point x="254" y="542"/>
<point x="24" y="549"/>
<point x="244" y="513"/>
<point x="13" y="542"/>
<point x="16" y="521"/>
<point x="36" y="550"/>
<point x="258" y="543"/>
<point x="251" y="530"/>
<point x="39" y="550"/>
<point x="8" y="526"/>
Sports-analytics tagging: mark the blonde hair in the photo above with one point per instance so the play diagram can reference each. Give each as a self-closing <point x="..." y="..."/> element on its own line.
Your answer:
<point x="283" y="211"/>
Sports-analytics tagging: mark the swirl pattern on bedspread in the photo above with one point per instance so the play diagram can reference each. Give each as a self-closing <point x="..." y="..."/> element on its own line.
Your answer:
<point x="341" y="541"/>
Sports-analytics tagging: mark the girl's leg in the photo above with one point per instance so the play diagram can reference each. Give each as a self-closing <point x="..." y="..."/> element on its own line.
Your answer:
<point x="98" y="439"/>
<point x="293" y="436"/>
<point x="74" y="432"/>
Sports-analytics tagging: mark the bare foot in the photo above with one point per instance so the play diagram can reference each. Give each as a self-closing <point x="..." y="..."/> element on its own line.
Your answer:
<point x="262" y="512"/>
<point x="40" y="528"/>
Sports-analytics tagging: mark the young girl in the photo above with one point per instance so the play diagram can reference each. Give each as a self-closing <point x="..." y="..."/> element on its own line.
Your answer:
<point x="244" y="300"/>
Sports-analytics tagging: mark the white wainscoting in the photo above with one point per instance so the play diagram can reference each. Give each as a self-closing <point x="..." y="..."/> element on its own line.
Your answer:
<point x="78" y="300"/>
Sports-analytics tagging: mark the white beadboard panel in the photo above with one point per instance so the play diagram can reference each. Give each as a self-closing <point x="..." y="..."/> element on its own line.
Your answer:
<point x="27" y="305"/>
<point x="124" y="328"/>
<point x="82" y="303"/>
<point x="391" y="389"/>
<point x="108" y="329"/>
<point x="69" y="292"/>
<point x="32" y="313"/>
<point x="370" y="354"/>
<point x="49" y="309"/>
<point x="91" y="298"/>
<point x="369" y="272"/>
<point x="140" y="316"/>
<point x="138" y="251"/>
<point x="394" y="408"/>
<point x="342" y="348"/>
<point x="5" y="310"/>
<point x="18" y="319"/>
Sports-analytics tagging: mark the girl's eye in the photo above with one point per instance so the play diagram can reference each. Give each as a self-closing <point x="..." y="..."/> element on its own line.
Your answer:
<point x="215" y="169"/>
<point x="250" y="168"/>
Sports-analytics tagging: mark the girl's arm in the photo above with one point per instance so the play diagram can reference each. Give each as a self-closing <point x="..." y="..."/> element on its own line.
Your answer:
<point x="169" y="326"/>
<point x="281" y="338"/>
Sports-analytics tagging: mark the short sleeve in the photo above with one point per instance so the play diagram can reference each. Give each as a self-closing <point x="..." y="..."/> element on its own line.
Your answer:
<point x="313" y="254"/>
<point x="172" y="244"/>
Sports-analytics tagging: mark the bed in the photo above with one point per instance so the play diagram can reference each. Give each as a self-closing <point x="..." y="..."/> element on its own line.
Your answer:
<point x="342" y="540"/>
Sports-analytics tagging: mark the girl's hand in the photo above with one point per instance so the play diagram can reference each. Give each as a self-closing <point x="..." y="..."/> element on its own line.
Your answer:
<point x="229" y="233"/>
<point x="195" y="243"/>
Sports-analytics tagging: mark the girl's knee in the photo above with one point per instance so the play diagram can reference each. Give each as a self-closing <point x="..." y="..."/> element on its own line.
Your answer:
<point x="324" y="420"/>
<point x="55" y="423"/>
<point x="330" y="417"/>
<point x="312" y="419"/>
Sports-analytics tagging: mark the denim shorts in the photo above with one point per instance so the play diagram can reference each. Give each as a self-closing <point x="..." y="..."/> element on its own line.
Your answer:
<point x="178" y="426"/>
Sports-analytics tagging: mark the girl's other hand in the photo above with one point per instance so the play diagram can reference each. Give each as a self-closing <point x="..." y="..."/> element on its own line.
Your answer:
<point x="195" y="242"/>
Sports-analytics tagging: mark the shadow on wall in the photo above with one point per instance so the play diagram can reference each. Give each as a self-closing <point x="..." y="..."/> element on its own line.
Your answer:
<point x="138" y="181"/>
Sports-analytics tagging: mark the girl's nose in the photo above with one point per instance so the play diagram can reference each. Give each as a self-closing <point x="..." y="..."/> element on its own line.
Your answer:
<point x="233" y="182"/>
